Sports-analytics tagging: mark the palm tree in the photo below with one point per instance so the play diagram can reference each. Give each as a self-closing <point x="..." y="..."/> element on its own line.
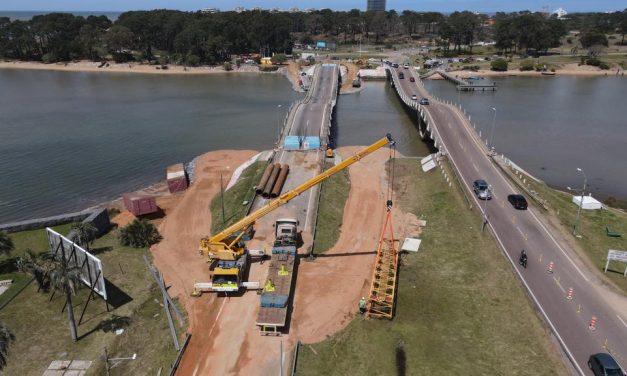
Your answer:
<point x="84" y="233"/>
<point x="139" y="233"/>
<point x="6" y="337"/>
<point x="38" y="266"/>
<point x="6" y="244"/>
<point x="66" y="279"/>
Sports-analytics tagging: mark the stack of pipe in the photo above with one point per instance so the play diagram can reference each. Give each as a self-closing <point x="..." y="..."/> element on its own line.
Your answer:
<point x="280" y="181"/>
<point x="267" y="189"/>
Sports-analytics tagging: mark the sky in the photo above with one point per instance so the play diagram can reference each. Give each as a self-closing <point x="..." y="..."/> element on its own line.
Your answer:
<point x="419" y="5"/>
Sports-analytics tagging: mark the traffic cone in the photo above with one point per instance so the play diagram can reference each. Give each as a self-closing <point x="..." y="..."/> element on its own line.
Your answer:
<point x="551" y="264"/>
<point x="570" y="294"/>
<point x="593" y="323"/>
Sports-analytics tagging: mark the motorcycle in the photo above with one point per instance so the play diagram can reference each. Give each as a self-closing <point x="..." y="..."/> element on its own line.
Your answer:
<point x="523" y="259"/>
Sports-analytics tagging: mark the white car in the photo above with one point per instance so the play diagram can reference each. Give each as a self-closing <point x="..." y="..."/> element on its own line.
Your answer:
<point x="414" y="97"/>
<point x="406" y="66"/>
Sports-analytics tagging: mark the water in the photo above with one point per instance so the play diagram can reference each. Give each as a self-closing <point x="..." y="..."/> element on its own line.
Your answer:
<point x="24" y="15"/>
<point x="367" y="116"/>
<point x="550" y="126"/>
<point x="71" y="140"/>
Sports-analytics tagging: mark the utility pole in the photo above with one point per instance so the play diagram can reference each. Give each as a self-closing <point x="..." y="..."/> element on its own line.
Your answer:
<point x="485" y="208"/>
<point x="583" y="192"/>
<point x="492" y="131"/>
<point x="222" y="199"/>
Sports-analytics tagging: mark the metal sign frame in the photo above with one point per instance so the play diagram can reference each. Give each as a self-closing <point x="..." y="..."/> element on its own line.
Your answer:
<point x="91" y="267"/>
<point x="614" y="255"/>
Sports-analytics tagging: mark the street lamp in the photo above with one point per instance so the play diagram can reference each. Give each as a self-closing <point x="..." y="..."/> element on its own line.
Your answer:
<point x="492" y="131"/>
<point x="278" y="107"/>
<point x="583" y="192"/>
<point x="485" y="207"/>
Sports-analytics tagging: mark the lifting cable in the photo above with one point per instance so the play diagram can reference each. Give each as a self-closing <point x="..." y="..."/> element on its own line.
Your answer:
<point x="391" y="163"/>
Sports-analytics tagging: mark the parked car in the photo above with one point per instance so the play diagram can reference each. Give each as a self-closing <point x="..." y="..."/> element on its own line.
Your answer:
<point x="411" y="79"/>
<point x="424" y="101"/>
<point x="395" y="65"/>
<point x="401" y="75"/>
<point x="518" y="201"/>
<point x="602" y="364"/>
<point x="482" y="189"/>
<point x="406" y="66"/>
<point x="414" y="97"/>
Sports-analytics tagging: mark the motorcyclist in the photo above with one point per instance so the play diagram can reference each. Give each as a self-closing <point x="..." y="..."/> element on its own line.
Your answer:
<point x="523" y="259"/>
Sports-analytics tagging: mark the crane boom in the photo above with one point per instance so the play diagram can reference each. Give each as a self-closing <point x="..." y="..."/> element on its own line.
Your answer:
<point x="217" y="245"/>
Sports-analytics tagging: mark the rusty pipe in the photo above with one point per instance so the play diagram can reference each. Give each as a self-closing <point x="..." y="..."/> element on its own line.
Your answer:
<point x="270" y="183"/>
<point x="264" y="179"/>
<point x="280" y="181"/>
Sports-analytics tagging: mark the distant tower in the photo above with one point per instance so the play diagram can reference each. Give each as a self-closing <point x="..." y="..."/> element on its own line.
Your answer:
<point x="376" y="5"/>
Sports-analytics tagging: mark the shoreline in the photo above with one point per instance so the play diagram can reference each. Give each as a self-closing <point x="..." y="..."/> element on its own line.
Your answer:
<point x="88" y="66"/>
<point x="568" y="70"/>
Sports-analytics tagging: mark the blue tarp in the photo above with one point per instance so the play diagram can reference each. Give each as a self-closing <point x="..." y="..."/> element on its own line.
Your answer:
<point x="291" y="143"/>
<point x="273" y="301"/>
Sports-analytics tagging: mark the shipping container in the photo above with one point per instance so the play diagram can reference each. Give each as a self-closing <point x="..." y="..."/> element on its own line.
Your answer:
<point x="311" y="143"/>
<point x="291" y="143"/>
<point x="176" y="178"/>
<point x="140" y="204"/>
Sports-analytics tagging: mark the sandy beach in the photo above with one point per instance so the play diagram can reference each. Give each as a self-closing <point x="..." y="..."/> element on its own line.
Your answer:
<point x="89" y="66"/>
<point x="567" y="70"/>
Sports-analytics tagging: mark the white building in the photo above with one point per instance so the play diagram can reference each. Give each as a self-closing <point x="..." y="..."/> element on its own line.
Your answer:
<point x="239" y="9"/>
<point x="560" y="12"/>
<point x="210" y="10"/>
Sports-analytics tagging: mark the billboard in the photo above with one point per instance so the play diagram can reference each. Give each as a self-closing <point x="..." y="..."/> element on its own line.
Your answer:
<point x="91" y="267"/>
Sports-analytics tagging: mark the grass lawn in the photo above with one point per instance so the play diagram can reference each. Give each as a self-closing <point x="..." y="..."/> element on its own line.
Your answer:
<point x="333" y="196"/>
<point x="460" y="310"/>
<point x="592" y="227"/>
<point x="234" y="210"/>
<point x="42" y="333"/>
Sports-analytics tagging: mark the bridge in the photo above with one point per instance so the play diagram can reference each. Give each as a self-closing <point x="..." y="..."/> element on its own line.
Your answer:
<point x="514" y="230"/>
<point x="302" y="142"/>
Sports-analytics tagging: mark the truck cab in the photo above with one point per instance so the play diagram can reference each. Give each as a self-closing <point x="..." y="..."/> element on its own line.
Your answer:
<point x="285" y="230"/>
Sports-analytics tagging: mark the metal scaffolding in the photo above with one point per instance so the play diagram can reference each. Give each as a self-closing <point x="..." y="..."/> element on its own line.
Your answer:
<point x="383" y="289"/>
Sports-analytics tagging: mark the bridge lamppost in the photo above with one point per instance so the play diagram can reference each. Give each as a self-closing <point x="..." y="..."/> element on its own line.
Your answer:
<point x="492" y="131"/>
<point x="278" y="108"/>
<point x="583" y="192"/>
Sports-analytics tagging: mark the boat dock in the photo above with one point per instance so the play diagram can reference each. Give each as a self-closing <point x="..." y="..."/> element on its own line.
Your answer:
<point x="467" y="85"/>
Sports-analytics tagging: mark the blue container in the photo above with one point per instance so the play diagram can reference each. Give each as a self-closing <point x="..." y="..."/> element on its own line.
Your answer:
<point x="291" y="143"/>
<point x="311" y="143"/>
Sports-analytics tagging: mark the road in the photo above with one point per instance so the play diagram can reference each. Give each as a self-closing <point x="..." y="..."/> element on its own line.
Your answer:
<point x="308" y="118"/>
<point x="514" y="230"/>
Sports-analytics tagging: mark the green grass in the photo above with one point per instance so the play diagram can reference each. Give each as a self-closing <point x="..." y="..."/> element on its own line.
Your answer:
<point x="333" y="196"/>
<point x="594" y="240"/>
<point x="460" y="310"/>
<point x="234" y="209"/>
<point x="42" y="333"/>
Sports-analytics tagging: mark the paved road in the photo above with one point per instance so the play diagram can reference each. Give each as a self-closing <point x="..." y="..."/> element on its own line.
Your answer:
<point x="516" y="230"/>
<point x="306" y="119"/>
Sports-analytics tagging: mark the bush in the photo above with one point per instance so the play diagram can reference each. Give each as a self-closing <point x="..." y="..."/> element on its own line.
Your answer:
<point x="499" y="65"/>
<point x="228" y="66"/>
<point x="268" y="68"/>
<point x="473" y="68"/>
<point x="597" y="63"/>
<point x="139" y="233"/>
<point x="122" y="57"/>
<point x="526" y="65"/>
<point x="192" y="60"/>
<point x="278" y="59"/>
<point x="49" y="58"/>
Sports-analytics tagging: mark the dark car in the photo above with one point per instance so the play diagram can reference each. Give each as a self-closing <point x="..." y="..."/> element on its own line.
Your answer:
<point x="482" y="189"/>
<point x="518" y="201"/>
<point x="395" y="65"/>
<point x="602" y="364"/>
<point x="411" y="79"/>
<point x="424" y="101"/>
<point x="401" y="76"/>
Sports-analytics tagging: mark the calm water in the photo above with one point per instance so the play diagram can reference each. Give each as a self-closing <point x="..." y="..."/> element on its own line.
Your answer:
<point x="71" y="140"/>
<point x="552" y="125"/>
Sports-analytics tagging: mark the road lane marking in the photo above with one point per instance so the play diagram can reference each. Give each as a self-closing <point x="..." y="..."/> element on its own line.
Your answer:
<point x="621" y="320"/>
<point x="557" y="281"/>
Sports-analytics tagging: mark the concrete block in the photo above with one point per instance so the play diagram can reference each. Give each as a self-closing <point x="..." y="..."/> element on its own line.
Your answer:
<point x="50" y="372"/>
<point x="73" y="372"/>
<point x="80" y="364"/>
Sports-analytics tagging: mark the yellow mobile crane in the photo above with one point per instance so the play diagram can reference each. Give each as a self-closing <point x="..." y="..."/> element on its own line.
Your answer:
<point x="226" y="250"/>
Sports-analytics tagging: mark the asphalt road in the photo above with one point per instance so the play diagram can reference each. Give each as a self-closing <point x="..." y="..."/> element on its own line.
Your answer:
<point x="525" y="229"/>
<point x="307" y="119"/>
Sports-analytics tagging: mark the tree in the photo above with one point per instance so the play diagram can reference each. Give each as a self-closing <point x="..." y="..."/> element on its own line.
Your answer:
<point x="499" y="65"/>
<point x="84" y="233"/>
<point x="38" y="266"/>
<point x="139" y="233"/>
<point x="279" y="59"/>
<point x="591" y="38"/>
<point x="66" y="280"/>
<point x="6" y="338"/>
<point x="6" y="243"/>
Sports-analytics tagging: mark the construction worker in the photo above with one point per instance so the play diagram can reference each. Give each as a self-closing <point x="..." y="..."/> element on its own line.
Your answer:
<point x="362" y="305"/>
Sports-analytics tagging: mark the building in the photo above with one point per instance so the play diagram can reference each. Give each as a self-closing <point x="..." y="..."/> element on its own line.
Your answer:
<point x="376" y="5"/>
<point x="239" y="9"/>
<point x="210" y="10"/>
